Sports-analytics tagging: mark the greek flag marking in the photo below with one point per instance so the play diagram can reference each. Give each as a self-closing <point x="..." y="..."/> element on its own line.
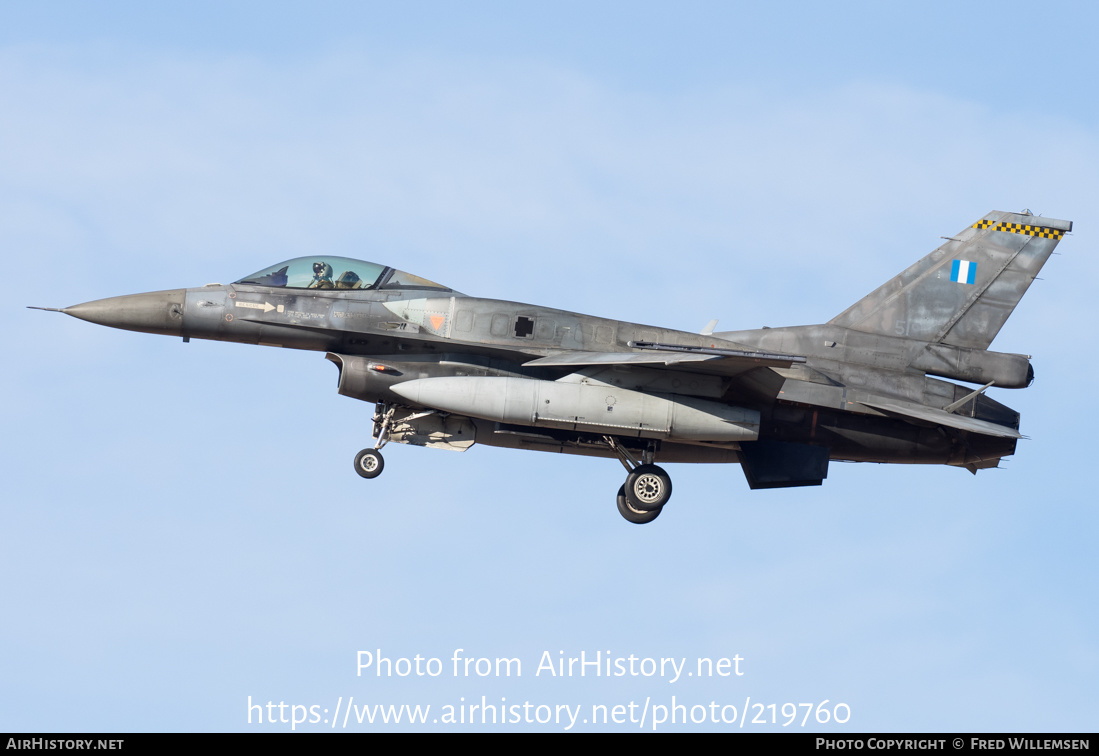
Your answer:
<point x="963" y="271"/>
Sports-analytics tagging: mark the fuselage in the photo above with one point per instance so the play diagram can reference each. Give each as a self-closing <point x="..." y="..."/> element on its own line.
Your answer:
<point x="380" y="339"/>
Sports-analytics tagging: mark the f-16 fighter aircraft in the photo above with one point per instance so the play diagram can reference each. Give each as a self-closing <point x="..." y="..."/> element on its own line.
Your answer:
<point x="447" y="370"/>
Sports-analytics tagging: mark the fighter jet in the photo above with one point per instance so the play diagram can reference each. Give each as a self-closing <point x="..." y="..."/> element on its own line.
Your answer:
<point x="447" y="371"/>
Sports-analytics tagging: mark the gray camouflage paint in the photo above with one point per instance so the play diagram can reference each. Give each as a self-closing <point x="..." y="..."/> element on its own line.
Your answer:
<point x="459" y="370"/>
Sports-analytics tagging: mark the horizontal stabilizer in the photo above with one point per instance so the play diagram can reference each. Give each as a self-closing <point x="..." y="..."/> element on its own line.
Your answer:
<point x="942" y="417"/>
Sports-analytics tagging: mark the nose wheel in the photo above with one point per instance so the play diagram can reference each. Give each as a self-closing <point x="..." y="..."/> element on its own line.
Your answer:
<point x="369" y="463"/>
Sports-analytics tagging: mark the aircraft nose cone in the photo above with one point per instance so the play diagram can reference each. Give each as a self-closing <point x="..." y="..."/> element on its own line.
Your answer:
<point x="154" y="312"/>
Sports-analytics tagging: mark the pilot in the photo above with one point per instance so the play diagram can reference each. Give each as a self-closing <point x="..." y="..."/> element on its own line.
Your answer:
<point x="322" y="276"/>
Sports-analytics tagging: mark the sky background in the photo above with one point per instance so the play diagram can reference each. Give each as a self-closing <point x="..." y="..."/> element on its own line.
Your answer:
<point x="181" y="525"/>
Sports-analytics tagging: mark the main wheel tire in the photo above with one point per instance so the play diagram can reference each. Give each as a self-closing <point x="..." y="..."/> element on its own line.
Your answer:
<point x="648" y="488"/>
<point x="636" y="516"/>
<point x="369" y="463"/>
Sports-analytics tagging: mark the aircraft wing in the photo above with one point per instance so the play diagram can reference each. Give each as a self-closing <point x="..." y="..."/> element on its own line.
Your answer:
<point x="701" y="359"/>
<point x="941" y="417"/>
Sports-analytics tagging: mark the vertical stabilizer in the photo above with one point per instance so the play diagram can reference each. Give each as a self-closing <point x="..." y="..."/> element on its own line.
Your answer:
<point x="962" y="293"/>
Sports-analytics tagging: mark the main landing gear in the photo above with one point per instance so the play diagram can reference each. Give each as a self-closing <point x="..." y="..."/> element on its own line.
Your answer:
<point x="647" y="488"/>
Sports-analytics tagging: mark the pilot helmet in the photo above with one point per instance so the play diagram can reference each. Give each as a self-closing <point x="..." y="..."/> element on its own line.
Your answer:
<point x="322" y="270"/>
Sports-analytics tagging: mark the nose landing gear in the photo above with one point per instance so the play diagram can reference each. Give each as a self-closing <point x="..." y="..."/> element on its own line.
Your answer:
<point x="369" y="462"/>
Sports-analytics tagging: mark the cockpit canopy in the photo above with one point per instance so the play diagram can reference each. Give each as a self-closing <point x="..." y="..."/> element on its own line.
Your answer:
<point x="330" y="272"/>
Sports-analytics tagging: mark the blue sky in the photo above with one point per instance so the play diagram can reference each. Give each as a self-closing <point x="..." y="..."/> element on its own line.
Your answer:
<point x="182" y="525"/>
